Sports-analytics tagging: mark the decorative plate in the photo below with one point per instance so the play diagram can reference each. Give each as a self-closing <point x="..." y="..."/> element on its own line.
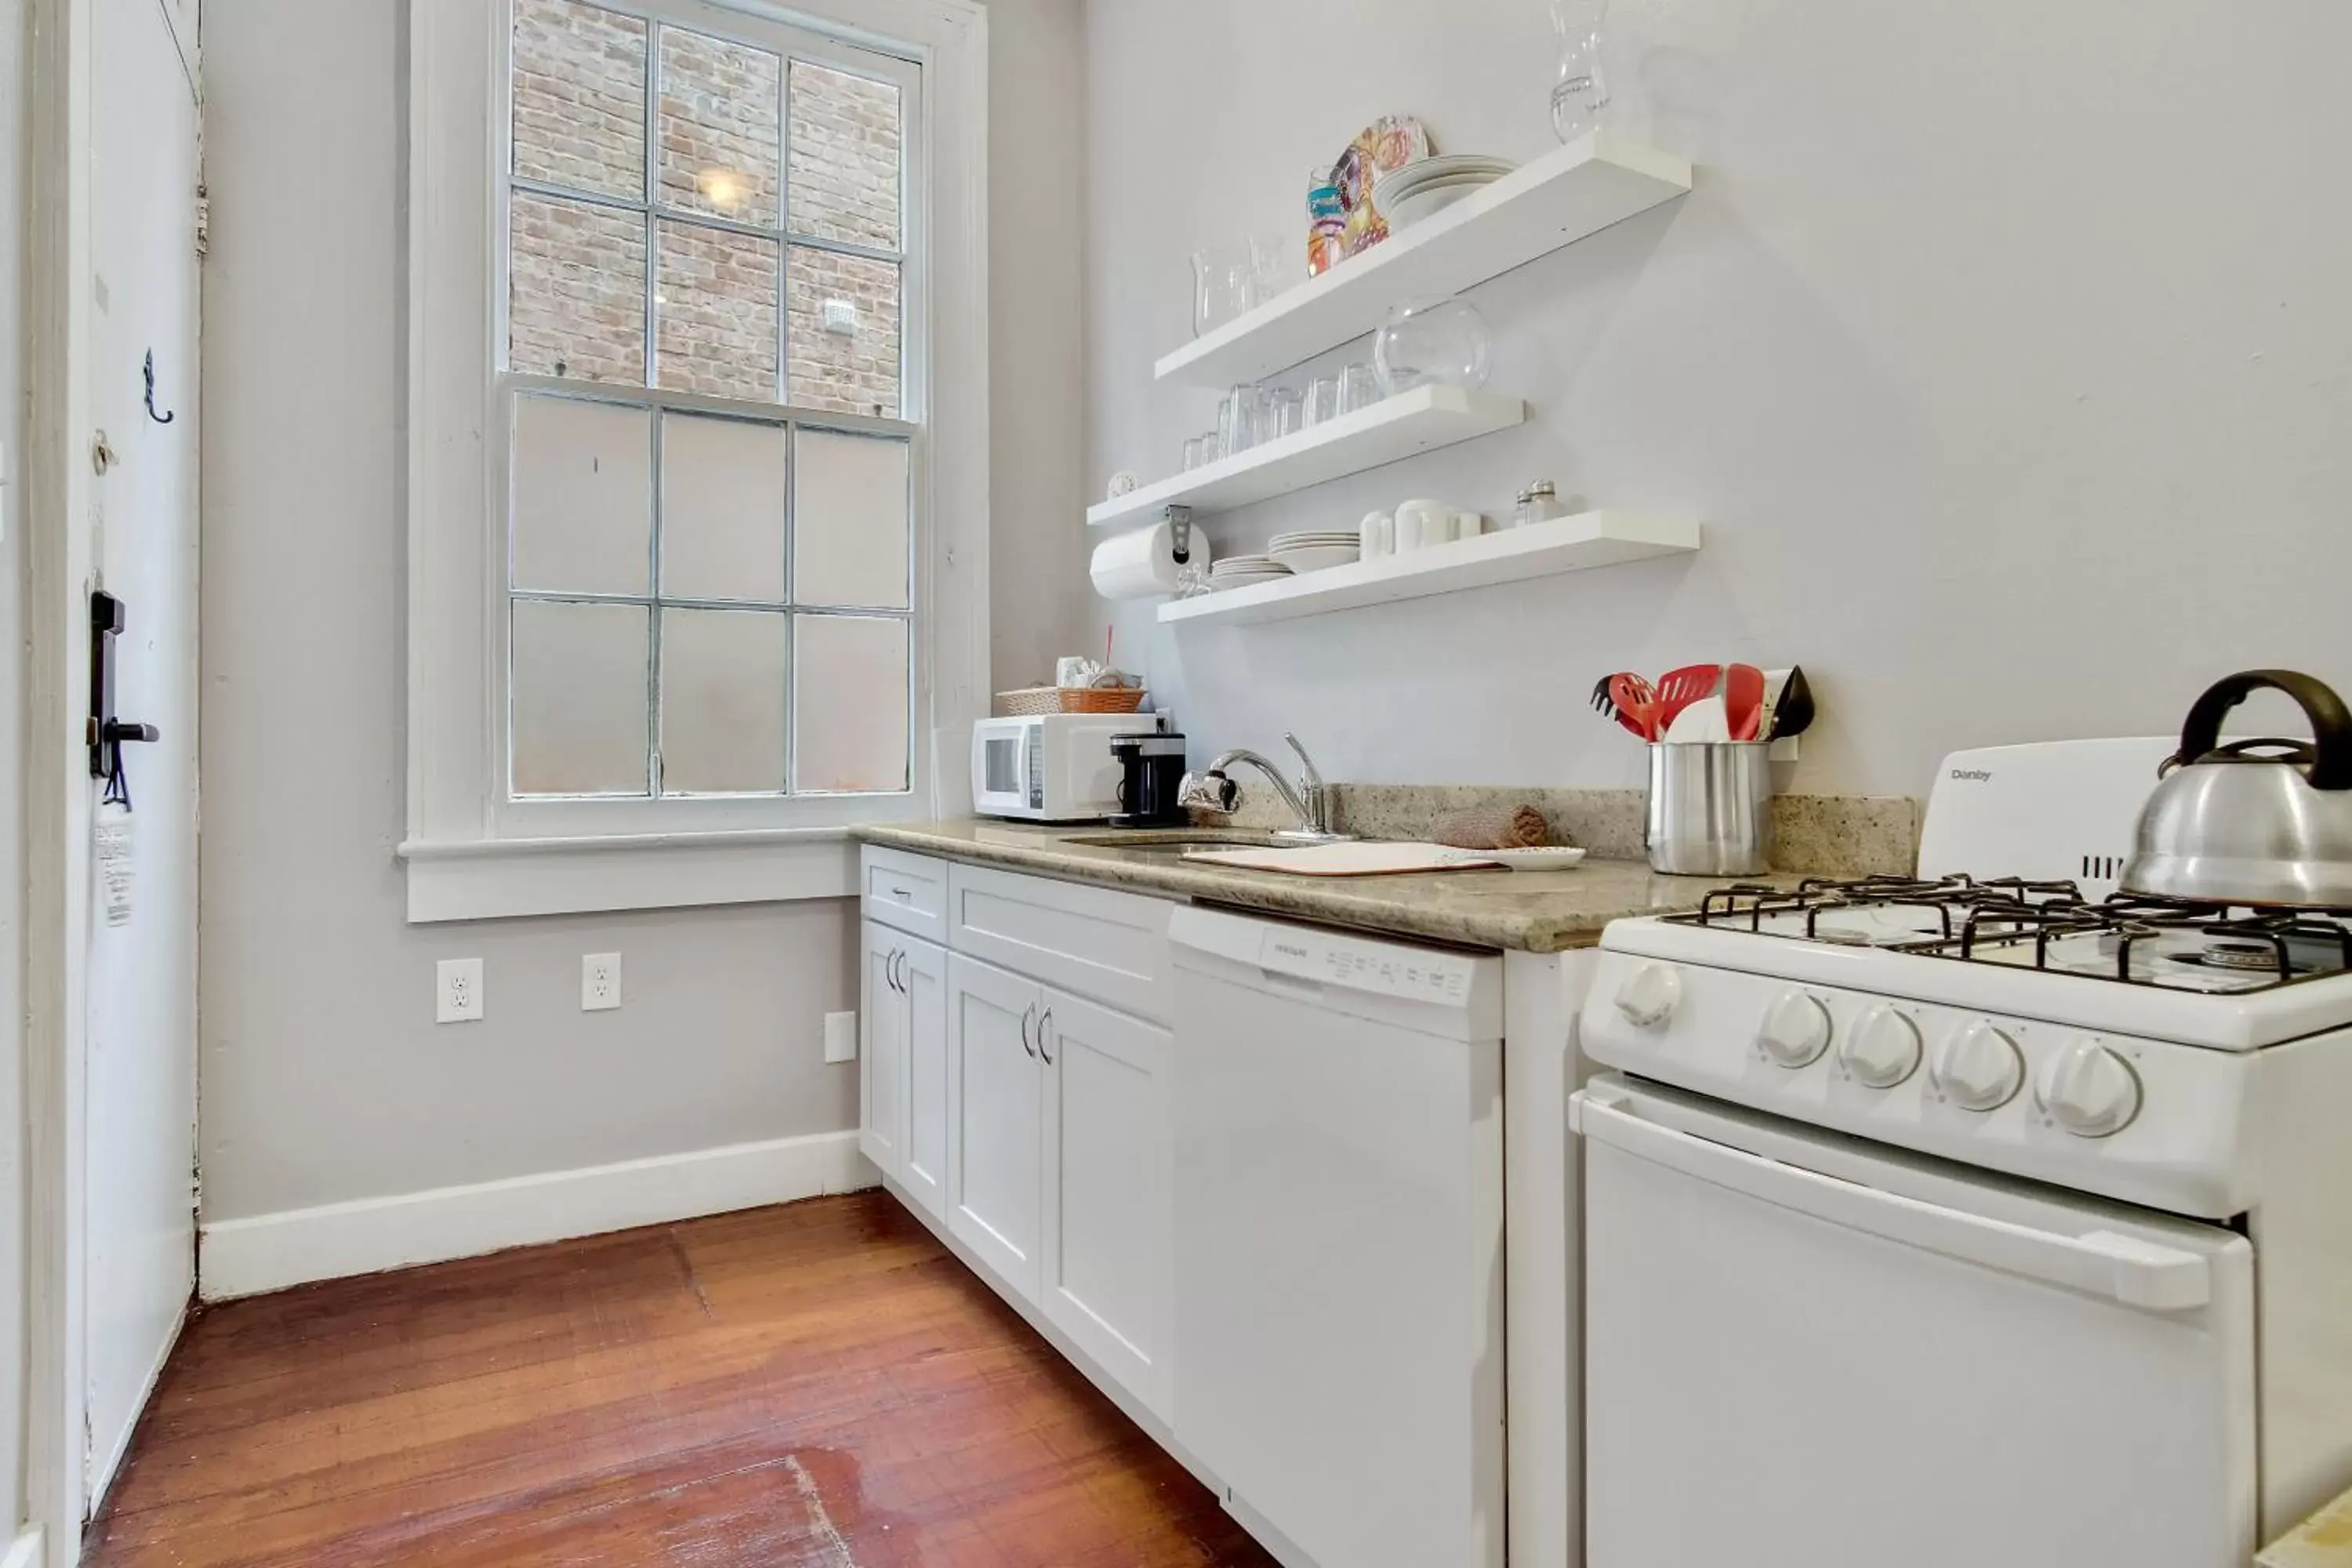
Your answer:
<point x="1384" y="146"/>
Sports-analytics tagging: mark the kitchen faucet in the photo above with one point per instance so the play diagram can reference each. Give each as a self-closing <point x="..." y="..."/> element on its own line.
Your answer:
<point x="1310" y="801"/>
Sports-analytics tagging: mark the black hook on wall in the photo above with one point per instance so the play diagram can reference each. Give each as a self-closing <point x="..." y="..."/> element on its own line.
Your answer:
<point x="158" y="418"/>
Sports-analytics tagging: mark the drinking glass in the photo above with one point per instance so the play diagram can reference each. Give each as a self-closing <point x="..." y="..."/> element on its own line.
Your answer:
<point x="1224" y="285"/>
<point x="1276" y="263"/>
<point x="1322" y="399"/>
<point x="1580" y="95"/>
<point x="1237" y="420"/>
<point x="1358" y="388"/>
<point x="1286" y="415"/>
<point x="1192" y="453"/>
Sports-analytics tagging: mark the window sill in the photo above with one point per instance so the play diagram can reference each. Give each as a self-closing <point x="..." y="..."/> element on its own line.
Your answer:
<point x="476" y="879"/>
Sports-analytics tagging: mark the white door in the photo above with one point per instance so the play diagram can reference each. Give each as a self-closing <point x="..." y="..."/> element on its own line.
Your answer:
<point x="1110" y="1197"/>
<point x="882" y="1050"/>
<point x="995" y="1116"/>
<point x="923" y="993"/>
<point x="139" y="1218"/>
<point x="1800" y="1353"/>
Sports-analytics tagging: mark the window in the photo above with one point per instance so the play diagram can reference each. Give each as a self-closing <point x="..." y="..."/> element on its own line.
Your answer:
<point x="710" y="540"/>
<point x="697" y="426"/>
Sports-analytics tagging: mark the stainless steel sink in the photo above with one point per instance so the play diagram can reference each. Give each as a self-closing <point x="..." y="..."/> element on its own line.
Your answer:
<point x="1175" y="840"/>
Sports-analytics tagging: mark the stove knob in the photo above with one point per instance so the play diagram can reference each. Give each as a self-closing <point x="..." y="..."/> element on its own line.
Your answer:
<point x="1649" y="995"/>
<point x="1795" y="1030"/>
<point x="2090" y="1089"/>
<point x="1979" y="1067"/>
<point x="1882" y="1049"/>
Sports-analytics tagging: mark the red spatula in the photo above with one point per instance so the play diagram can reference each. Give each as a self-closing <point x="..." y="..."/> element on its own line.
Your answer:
<point x="1743" y="700"/>
<point x="1679" y="689"/>
<point x="1636" y="704"/>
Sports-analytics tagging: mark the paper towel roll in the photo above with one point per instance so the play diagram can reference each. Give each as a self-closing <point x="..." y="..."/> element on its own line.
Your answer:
<point x="1142" y="564"/>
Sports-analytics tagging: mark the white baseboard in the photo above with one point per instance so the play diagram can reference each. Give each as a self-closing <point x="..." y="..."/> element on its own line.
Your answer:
<point x="270" y="1252"/>
<point x="25" y="1551"/>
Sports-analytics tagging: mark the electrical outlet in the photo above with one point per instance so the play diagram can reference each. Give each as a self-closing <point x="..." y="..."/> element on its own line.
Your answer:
<point x="599" y="982"/>
<point x="460" y="991"/>
<point x="841" y="1037"/>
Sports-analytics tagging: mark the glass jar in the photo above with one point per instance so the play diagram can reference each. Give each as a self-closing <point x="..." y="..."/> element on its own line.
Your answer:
<point x="1538" y="503"/>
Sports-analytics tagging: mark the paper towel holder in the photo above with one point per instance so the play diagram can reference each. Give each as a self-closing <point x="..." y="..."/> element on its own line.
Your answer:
<point x="1179" y="532"/>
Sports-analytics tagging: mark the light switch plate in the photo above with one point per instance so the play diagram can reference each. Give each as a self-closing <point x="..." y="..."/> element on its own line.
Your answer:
<point x="459" y="998"/>
<point x="599" y="982"/>
<point x="841" y="1037"/>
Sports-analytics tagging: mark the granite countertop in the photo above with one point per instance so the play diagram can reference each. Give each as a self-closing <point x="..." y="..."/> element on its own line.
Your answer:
<point x="1534" y="912"/>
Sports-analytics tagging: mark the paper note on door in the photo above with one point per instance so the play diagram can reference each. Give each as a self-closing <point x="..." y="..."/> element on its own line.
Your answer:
<point x="116" y="852"/>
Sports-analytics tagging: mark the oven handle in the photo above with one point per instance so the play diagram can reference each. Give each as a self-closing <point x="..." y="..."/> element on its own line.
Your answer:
<point x="2126" y="1268"/>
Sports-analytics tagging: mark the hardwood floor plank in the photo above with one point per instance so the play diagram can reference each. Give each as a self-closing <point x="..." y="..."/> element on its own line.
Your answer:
<point x="820" y="1385"/>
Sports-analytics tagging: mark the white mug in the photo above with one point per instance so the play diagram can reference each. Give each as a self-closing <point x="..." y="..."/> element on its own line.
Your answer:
<point x="1468" y="524"/>
<point x="1376" y="535"/>
<point x="1423" y="523"/>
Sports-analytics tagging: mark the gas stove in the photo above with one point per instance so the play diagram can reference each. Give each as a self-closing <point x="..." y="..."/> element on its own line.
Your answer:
<point x="2046" y="925"/>
<point x="2008" y="1007"/>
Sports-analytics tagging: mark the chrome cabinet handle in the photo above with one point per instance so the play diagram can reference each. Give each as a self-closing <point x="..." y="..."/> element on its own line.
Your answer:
<point x="1028" y="1015"/>
<point x="1043" y="1025"/>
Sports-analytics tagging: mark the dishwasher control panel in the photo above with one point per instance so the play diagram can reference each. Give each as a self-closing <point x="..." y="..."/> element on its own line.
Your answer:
<point x="1417" y="973"/>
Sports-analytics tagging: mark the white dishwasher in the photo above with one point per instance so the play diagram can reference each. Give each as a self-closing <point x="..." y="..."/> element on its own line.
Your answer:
<point x="1339" y="1350"/>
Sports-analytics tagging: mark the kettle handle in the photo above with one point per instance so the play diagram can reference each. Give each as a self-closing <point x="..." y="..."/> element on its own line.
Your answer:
<point x="2331" y="722"/>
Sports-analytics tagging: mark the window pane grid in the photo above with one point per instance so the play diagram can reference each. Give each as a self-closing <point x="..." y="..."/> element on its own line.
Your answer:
<point x="654" y="215"/>
<point x="795" y="613"/>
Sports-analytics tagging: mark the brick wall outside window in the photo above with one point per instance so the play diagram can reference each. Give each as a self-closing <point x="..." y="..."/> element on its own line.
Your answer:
<point x="577" y="270"/>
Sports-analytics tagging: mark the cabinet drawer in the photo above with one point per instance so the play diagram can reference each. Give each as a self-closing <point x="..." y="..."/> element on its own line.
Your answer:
<point x="908" y="891"/>
<point x="1091" y="942"/>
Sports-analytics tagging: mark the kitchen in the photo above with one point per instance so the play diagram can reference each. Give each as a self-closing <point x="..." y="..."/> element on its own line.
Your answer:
<point x="1968" y="413"/>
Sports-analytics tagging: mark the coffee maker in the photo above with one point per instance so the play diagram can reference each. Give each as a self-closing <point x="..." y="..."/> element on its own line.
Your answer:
<point x="1152" y="777"/>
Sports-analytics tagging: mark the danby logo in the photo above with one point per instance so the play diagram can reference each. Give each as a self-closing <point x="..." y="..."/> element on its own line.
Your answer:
<point x="1973" y="776"/>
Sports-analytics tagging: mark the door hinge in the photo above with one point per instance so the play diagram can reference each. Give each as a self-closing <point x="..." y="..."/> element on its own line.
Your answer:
<point x="203" y="221"/>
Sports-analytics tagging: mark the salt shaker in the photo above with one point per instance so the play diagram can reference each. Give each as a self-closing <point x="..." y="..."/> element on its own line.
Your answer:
<point x="1538" y="503"/>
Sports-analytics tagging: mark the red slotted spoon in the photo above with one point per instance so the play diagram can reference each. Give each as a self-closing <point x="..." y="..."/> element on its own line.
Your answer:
<point x="1636" y="704"/>
<point x="1679" y="689"/>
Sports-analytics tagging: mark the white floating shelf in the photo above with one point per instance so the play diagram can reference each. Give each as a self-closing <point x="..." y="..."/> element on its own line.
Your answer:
<point x="1577" y="190"/>
<point x="1539" y="550"/>
<point x="1395" y="428"/>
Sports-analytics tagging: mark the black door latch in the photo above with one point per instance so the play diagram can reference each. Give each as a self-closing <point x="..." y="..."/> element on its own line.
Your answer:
<point x="106" y="733"/>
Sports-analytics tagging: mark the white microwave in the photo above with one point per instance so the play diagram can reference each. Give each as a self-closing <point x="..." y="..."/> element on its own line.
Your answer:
<point x="1050" y="767"/>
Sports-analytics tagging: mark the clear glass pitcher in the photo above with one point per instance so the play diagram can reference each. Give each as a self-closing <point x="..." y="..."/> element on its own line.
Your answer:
<point x="1580" y="94"/>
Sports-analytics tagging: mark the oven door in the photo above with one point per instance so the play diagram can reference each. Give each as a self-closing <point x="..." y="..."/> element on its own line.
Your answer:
<point x="1006" y="767"/>
<point x="1803" y="1351"/>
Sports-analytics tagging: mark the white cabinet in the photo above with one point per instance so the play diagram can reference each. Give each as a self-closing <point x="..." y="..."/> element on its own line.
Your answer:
<point x="881" y="1051"/>
<point x="1109" y="1210"/>
<point x="902" y="1062"/>
<point x="923" y="994"/>
<point x="995" y="1121"/>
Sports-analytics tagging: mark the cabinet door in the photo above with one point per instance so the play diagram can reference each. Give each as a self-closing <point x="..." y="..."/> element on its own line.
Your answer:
<point x="923" y="994"/>
<point x="995" y="1117"/>
<point x="882" y="1051"/>
<point x="1109" y="1198"/>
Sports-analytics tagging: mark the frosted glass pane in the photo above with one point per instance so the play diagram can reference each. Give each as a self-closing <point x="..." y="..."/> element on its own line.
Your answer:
<point x="721" y="105"/>
<point x="715" y="310"/>
<point x="580" y="97"/>
<point x="849" y="522"/>
<point x="849" y="704"/>
<point x="722" y="509"/>
<point x="845" y="167"/>
<point x="841" y="325"/>
<point x="576" y="294"/>
<point x="583" y="496"/>
<point x="722" y="700"/>
<point x="579" y="699"/>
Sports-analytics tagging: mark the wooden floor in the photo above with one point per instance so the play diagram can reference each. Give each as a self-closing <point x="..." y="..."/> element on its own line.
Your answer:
<point x="816" y="1385"/>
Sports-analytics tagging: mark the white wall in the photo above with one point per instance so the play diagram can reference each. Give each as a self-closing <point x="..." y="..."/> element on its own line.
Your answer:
<point x="2002" y="348"/>
<point x="324" y="1078"/>
<point x="12" y="674"/>
<point x="1038" y="602"/>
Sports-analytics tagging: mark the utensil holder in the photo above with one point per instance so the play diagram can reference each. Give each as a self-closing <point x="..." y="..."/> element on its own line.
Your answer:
<point x="1710" y="808"/>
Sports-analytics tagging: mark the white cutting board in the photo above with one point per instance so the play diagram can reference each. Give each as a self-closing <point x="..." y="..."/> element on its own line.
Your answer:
<point x="1346" y="859"/>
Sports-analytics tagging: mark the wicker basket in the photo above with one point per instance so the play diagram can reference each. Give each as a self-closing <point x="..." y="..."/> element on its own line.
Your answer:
<point x="1032" y="699"/>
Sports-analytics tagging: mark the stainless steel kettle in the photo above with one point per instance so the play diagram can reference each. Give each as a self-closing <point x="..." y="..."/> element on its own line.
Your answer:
<point x="2255" y="822"/>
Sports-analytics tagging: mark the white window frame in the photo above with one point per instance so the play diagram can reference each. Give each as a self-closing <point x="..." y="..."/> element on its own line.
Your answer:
<point x="470" y="851"/>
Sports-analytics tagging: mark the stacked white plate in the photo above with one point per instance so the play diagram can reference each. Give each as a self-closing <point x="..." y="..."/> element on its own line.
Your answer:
<point x="1406" y="196"/>
<point x="1241" y="571"/>
<point x="1312" y="550"/>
